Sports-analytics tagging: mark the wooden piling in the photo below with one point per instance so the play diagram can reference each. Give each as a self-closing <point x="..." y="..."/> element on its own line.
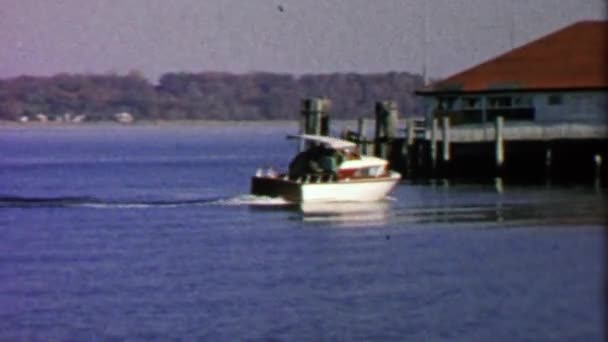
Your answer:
<point x="444" y="165"/>
<point x="410" y="126"/>
<point x="386" y="119"/>
<point x="361" y="127"/>
<point x="315" y="116"/>
<point x="408" y="148"/>
<point x="548" y="162"/>
<point x="445" y="125"/>
<point x="386" y="126"/>
<point x="499" y="145"/>
<point x="362" y="139"/>
<point x="597" y="162"/>
<point x="324" y="117"/>
<point x="318" y="116"/>
<point x="303" y="125"/>
<point x="434" y="133"/>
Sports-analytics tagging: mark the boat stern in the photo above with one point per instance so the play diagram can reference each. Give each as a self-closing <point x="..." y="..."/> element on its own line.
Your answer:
<point x="276" y="187"/>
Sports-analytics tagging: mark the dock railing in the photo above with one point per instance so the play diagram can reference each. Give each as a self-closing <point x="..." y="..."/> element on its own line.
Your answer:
<point x="520" y="131"/>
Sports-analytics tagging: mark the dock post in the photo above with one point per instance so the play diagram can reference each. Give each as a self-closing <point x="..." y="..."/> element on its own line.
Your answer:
<point x="434" y="133"/>
<point x="317" y="120"/>
<point x="445" y="155"/>
<point x="597" y="161"/>
<point x="386" y="126"/>
<point x="409" y="146"/>
<point x="446" y="138"/>
<point x="362" y="140"/>
<point x="410" y="131"/>
<point x="309" y="113"/>
<point x="361" y="127"/>
<point x="323" y="119"/>
<point x="499" y="145"/>
<point x="304" y="122"/>
<point x="548" y="161"/>
<point x="314" y="117"/>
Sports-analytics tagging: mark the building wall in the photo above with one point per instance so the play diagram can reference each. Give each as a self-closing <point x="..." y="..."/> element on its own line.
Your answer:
<point x="576" y="107"/>
<point x="590" y="107"/>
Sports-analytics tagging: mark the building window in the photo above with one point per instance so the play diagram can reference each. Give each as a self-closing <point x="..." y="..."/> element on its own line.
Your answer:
<point x="499" y="101"/>
<point x="554" y="100"/>
<point x="522" y="101"/>
<point x="517" y="107"/>
<point x="447" y="103"/>
<point x="471" y="103"/>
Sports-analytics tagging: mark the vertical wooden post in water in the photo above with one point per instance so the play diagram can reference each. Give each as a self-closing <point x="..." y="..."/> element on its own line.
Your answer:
<point x="597" y="161"/>
<point x="445" y="125"/>
<point x="548" y="162"/>
<point x="324" y="116"/>
<point x="361" y="133"/>
<point x="410" y="131"/>
<point x="499" y="146"/>
<point x="386" y="126"/>
<point x="315" y="117"/>
<point x="318" y="116"/>
<point x="434" y="133"/>
<point x="408" y="148"/>
<point x="361" y="127"/>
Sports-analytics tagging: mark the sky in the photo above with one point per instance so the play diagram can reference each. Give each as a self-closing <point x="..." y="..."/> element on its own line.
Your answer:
<point x="40" y="37"/>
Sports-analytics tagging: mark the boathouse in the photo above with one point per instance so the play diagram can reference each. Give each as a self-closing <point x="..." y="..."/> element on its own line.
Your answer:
<point x="562" y="77"/>
<point x="543" y="103"/>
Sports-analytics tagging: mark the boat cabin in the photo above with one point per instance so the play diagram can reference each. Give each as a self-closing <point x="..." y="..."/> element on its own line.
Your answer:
<point x="329" y="158"/>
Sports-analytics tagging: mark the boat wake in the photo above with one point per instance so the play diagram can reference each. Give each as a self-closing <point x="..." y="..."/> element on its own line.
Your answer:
<point x="253" y="200"/>
<point x="93" y="202"/>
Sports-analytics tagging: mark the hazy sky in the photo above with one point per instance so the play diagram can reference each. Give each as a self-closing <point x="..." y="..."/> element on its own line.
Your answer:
<point x="43" y="37"/>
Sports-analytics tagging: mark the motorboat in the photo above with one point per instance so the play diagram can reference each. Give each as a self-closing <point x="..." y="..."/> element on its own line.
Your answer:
<point x="328" y="170"/>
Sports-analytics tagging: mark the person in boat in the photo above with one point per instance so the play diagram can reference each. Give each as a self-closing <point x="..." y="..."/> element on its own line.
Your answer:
<point x="298" y="167"/>
<point x="329" y="160"/>
<point x="317" y="160"/>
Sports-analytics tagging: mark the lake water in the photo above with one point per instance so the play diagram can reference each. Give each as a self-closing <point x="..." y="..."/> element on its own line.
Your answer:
<point x="147" y="233"/>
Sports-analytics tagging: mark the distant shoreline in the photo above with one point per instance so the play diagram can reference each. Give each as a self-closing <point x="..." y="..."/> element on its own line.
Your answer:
<point x="144" y="123"/>
<point x="337" y="126"/>
<point x="200" y="96"/>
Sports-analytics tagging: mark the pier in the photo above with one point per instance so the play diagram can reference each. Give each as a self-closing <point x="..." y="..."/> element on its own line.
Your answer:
<point x="537" y="112"/>
<point x="512" y="151"/>
<point x="423" y="149"/>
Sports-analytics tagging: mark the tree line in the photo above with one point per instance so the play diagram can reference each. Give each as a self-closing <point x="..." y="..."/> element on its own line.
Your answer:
<point x="204" y="96"/>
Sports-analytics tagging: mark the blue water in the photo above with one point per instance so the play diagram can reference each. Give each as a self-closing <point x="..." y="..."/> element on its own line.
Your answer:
<point x="147" y="233"/>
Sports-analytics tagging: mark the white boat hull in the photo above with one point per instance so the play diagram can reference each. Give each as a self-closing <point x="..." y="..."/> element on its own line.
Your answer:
<point x="353" y="190"/>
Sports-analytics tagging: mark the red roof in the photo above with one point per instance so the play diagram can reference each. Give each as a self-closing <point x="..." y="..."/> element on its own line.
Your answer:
<point x="574" y="57"/>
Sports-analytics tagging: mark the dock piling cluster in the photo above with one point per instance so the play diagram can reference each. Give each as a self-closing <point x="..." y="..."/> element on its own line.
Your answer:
<point x="432" y="149"/>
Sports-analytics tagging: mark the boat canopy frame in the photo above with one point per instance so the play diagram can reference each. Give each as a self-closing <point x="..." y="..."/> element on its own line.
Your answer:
<point x="331" y="142"/>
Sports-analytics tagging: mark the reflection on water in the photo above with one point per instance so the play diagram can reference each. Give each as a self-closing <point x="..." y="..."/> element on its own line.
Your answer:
<point x="369" y="213"/>
<point x="470" y="205"/>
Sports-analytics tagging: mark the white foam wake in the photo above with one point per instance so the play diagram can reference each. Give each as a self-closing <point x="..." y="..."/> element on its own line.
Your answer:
<point x="125" y="205"/>
<point x="248" y="199"/>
